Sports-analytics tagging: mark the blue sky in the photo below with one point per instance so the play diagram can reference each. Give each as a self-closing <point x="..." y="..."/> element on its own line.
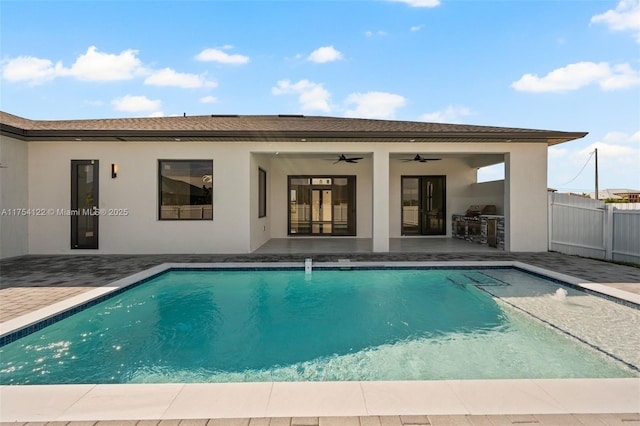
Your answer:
<point x="563" y="65"/>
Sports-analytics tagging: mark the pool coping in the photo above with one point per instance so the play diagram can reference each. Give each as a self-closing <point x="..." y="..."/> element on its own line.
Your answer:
<point x="42" y="314"/>
<point x="287" y="399"/>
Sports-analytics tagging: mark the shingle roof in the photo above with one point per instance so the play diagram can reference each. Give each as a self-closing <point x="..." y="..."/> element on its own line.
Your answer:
<point x="271" y="127"/>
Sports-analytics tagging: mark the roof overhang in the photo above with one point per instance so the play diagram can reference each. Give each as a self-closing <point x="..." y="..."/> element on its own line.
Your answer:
<point x="550" y="138"/>
<point x="281" y="128"/>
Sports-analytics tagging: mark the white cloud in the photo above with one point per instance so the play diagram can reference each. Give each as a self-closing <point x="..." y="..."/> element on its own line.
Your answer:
<point x="416" y="28"/>
<point x="621" y="137"/>
<point x="555" y="153"/>
<point x="31" y="69"/>
<point x="618" y="159"/>
<point x="91" y="66"/>
<point x="621" y="154"/>
<point x="208" y="100"/>
<point x="169" y="77"/>
<point x="325" y="54"/>
<point x="451" y="114"/>
<point x="622" y="77"/>
<point x="312" y="96"/>
<point x="131" y="103"/>
<point x="380" y="33"/>
<point x="98" y="66"/>
<point x="578" y="75"/>
<point x="219" y="55"/>
<point x="625" y="17"/>
<point x="419" y="3"/>
<point x="374" y="105"/>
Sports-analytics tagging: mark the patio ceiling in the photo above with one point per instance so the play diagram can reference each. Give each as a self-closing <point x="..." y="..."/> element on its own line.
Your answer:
<point x="475" y="160"/>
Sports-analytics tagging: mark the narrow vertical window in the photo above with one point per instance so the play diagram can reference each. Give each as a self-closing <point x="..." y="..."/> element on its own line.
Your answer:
<point x="186" y="189"/>
<point x="262" y="193"/>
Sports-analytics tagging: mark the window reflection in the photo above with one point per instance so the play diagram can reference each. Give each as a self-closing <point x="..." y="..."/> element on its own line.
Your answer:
<point x="186" y="189"/>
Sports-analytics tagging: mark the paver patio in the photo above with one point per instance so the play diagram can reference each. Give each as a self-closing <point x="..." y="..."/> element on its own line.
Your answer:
<point x="31" y="282"/>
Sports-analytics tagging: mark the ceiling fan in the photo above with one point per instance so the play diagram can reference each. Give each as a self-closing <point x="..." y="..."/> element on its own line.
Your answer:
<point x="346" y="159"/>
<point x="420" y="159"/>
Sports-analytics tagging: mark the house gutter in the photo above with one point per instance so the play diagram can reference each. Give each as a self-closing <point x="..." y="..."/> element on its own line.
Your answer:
<point x="551" y="138"/>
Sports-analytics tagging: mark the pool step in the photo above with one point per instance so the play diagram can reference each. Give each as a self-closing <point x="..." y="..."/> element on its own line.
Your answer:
<point x="480" y="278"/>
<point x="474" y="278"/>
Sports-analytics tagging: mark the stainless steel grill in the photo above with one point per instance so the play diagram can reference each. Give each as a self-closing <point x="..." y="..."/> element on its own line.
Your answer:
<point x="470" y="225"/>
<point x="474" y="212"/>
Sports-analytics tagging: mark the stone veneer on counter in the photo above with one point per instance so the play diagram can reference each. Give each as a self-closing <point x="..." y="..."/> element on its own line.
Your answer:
<point x="477" y="231"/>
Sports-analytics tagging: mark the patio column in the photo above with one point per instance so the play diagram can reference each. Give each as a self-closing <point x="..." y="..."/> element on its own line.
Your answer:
<point x="381" y="201"/>
<point x="526" y="201"/>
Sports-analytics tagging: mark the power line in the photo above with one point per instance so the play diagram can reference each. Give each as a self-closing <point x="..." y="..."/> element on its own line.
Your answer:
<point x="581" y="170"/>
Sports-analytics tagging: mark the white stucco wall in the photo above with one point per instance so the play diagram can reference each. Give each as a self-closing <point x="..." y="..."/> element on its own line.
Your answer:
<point x="526" y="225"/>
<point x="14" y="226"/>
<point x="236" y="227"/>
<point x="485" y="193"/>
<point x="136" y="189"/>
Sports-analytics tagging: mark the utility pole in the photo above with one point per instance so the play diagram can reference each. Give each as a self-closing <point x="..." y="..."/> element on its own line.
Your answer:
<point x="597" y="194"/>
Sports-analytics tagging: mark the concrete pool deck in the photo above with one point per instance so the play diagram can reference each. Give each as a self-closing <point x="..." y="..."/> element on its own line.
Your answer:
<point x="33" y="282"/>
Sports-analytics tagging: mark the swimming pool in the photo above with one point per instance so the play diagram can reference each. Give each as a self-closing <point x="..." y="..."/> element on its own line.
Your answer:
<point x="284" y="325"/>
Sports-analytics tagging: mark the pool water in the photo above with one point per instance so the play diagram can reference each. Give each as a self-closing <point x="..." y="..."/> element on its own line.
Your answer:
<point x="284" y="325"/>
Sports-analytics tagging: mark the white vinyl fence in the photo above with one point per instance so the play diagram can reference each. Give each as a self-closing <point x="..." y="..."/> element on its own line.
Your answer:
<point x="591" y="228"/>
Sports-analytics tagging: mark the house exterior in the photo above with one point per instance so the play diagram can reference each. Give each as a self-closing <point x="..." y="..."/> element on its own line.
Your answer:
<point x="229" y="184"/>
<point x="629" y="195"/>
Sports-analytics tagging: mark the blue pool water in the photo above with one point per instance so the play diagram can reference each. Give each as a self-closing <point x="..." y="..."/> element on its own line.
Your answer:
<point x="283" y="325"/>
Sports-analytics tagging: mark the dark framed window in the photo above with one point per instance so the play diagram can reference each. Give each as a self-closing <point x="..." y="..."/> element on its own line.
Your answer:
<point x="262" y="193"/>
<point x="84" y="204"/>
<point x="185" y="189"/>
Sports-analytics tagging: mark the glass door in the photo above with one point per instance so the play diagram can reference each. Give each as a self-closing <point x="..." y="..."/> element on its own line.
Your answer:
<point x="343" y="194"/>
<point x="423" y="205"/>
<point x="410" y="205"/>
<point x="322" y="205"/>
<point x="433" y="219"/>
<point x="84" y="204"/>
<point x="321" y="217"/>
<point x="299" y="205"/>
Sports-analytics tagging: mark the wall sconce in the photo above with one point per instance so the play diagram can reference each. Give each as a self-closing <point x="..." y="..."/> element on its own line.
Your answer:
<point x="114" y="170"/>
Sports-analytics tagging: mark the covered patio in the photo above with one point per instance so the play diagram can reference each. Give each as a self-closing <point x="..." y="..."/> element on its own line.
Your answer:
<point x="329" y="245"/>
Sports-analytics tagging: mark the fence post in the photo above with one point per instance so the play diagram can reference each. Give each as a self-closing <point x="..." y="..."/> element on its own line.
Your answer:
<point x="549" y="220"/>
<point x="608" y="231"/>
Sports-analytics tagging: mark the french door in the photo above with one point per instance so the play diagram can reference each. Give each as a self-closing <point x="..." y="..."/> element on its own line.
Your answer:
<point x="84" y="204"/>
<point x="423" y="205"/>
<point x="322" y="205"/>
